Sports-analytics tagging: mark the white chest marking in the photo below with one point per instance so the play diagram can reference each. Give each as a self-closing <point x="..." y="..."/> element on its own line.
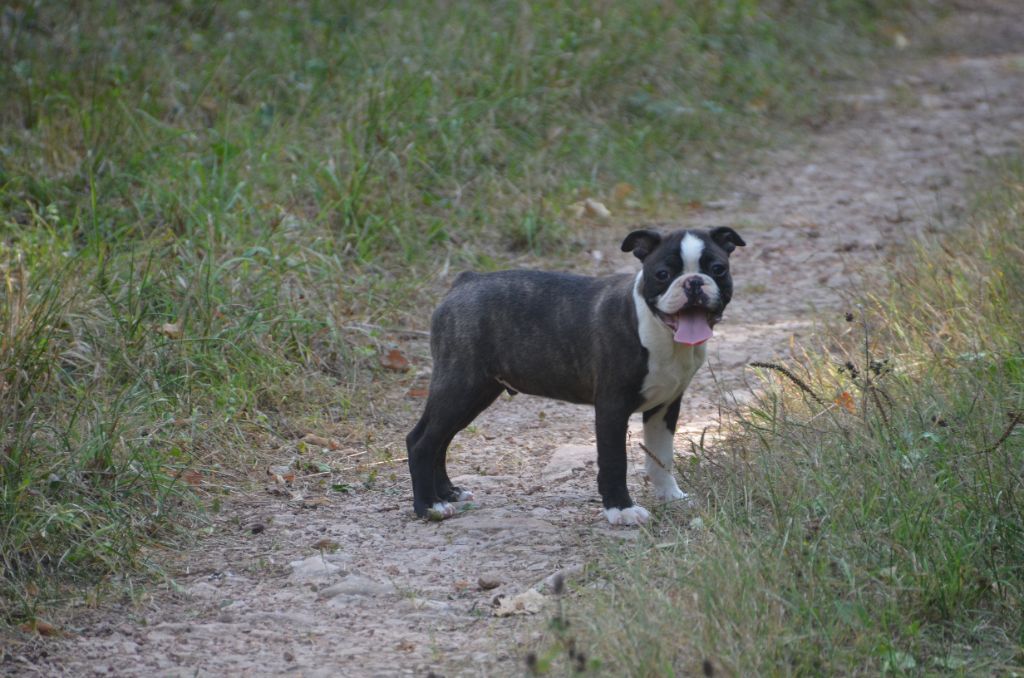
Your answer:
<point x="670" y="366"/>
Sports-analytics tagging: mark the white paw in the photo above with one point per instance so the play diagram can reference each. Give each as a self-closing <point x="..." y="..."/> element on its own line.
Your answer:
<point x="634" y="515"/>
<point x="465" y="495"/>
<point x="440" y="511"/>
<point x="669" y="492"/>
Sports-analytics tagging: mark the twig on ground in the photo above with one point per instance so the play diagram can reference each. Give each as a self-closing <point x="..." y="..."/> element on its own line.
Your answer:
<point x="402" y="331"/>
<point x="376" y="463"/>
<point x="1014" y="421"/>
<point x="314" y="475"/>
<point x="792" y="377"/>
<point x="651" y="456"/>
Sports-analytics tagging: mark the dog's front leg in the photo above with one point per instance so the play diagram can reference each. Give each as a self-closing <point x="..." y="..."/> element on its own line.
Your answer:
<point x="659" y="432"/>
<point x="612" y="424"/>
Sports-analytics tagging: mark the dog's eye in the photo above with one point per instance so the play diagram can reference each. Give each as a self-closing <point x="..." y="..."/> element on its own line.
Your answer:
<point x="717" y="270"/>
<point x="661" y="275"/>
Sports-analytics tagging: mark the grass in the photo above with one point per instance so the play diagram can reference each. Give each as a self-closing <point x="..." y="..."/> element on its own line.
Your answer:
<point x="875" y="527"/>
<point x="207" y="209"/>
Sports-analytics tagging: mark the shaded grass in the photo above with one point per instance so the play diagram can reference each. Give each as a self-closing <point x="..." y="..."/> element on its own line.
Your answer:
<point x="880" y="533"/>
<point x="198" y="202"/>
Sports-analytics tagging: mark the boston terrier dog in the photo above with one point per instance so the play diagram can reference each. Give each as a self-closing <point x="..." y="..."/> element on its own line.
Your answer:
<point x="622" y="343"/>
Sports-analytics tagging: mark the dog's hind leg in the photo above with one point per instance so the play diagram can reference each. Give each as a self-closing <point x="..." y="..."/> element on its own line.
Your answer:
<point x="612" y="423"/>
<point x="450" y="408"/>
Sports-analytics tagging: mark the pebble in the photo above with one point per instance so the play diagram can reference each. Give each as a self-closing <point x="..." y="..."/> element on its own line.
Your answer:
<point x="313" y="567"/>
<point x="489" y="581"/>
<point x="355" y="585"/>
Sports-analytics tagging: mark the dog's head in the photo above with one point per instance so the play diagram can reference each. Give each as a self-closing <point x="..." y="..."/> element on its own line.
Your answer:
<point x="686" y="280"/>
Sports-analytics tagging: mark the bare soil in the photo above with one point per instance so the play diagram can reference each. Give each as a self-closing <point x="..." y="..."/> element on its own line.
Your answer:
<point x="355" y="585"/>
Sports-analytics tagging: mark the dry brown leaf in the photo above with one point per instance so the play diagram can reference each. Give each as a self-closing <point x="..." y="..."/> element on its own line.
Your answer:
<point x="589" y="208"/>
<point x="282" y="475"/>
<point x="41" y="627"/>
<point x="846" y="401"/>
<point x="171" y="330"/>
<point x="325" y="544"/>
<point x="593" y="208"/>
<point x="528" y="602"/>
<point x="192" y="477"/>
<point x="418" y="393"/>
<point x="757" y="105"/>
<point x="394" y="360"/>
<point x="320" y="441"/>
<point x="621" y="191"/>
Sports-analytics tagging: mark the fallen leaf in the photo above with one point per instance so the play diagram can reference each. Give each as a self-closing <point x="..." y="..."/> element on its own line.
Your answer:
<point x="621" y="191"/>
<point x="846" y="401"/>
<point x="394" y="360"/>
<point x="418" y="393"/>
<point x="320" y="441"/>
<point x="171" y="330"/>
<point x="590" y="208"/>
<point x="328" y="545"/>
<point x="593" y="208"/>
<point x="528" y="602"/>
<point x="405" y="646"/>
<point x="192" y="477"/>
<point x="278" y="490"/>
<point x="282" y="475"/>
<point x="757" y="106"/>
<point x="40" y="627"/>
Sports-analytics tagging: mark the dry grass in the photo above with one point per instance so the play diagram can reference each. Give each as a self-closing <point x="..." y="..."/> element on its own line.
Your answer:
<point x="876" y="526"/>
<point x="204" y="206"/>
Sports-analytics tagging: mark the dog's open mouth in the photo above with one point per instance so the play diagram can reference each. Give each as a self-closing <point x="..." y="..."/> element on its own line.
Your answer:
<point x="690" y="326"/>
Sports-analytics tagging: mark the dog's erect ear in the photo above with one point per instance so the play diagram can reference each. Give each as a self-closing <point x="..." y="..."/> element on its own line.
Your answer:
<point x="641" y="242"/>
<point x="726" y="238"/>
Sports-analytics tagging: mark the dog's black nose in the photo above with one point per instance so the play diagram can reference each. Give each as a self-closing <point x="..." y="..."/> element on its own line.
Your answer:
<point x="692" y="285"/>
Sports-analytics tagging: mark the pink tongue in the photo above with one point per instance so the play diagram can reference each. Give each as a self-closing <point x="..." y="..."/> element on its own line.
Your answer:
<point x="692" y="328"/>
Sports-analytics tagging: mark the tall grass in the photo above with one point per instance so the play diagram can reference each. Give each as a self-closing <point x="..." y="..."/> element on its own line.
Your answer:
<point x="198" y="200"/>
<point x="880" y="533"/>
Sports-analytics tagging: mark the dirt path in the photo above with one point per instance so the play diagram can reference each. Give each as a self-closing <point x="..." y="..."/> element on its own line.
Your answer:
<point x="400" y="596"/>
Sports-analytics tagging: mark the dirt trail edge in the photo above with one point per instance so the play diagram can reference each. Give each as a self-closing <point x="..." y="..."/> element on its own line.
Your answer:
<point x="362" y="588"/>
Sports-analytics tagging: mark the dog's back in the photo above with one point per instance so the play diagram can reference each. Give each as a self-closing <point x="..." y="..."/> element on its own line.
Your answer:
<point x="516" y="327"/>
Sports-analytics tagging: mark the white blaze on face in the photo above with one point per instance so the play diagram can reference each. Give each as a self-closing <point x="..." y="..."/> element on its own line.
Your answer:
<point x="691" y="248"/>
<point x="674" y="298"/>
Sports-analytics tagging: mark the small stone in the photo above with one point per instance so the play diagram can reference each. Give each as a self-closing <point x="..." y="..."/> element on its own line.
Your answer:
<point x="489" y="581"/>
<point x="288" y="656"/>
<point x="314" y="567"/>
<point x="354" y="585"/>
